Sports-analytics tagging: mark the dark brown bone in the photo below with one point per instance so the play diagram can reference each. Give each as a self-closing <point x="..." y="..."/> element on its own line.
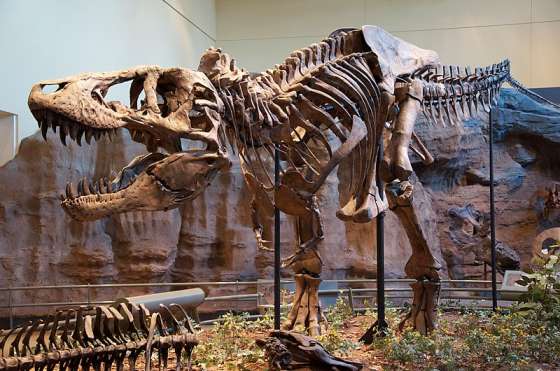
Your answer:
<point x="102" y="336"/>
<point x="288" y="350"/>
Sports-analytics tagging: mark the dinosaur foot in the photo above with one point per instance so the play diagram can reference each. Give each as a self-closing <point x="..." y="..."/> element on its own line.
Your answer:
<point x="305" y="314"/>
<point x="422" y="315"/>
<point x="289" y="351"/>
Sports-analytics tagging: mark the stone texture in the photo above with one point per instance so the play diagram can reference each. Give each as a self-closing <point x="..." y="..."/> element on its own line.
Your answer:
<point x="526" y="148"/>
<point x="210" y="238"/>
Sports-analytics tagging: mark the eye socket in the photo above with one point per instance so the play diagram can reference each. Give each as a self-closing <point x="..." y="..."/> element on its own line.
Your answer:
<point x="53" y="88"/>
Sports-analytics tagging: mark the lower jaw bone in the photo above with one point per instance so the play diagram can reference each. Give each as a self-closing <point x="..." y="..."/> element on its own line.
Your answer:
<point x="94" y="207"/>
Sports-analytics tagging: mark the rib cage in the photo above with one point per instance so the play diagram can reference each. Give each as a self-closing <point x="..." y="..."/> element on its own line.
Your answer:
<point x="317" y="89"/>
<point x="460" y="94"/>
<point x="101" y="336"/>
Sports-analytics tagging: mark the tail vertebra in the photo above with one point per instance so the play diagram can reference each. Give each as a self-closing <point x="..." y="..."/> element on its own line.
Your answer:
<point x="451" y="94"/>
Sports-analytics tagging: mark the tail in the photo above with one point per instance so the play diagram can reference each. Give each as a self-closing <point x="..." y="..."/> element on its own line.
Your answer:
<point x="452" y="94"/>
<point x="531" y="94"/>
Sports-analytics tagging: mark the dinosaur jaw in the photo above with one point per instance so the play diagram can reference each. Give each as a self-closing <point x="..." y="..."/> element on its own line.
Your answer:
<point x="145" y="193"/>
<point x="150" y="182"/>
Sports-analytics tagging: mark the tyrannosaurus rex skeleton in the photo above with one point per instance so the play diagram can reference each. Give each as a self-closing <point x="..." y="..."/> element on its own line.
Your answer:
<point x="330" y="104"/>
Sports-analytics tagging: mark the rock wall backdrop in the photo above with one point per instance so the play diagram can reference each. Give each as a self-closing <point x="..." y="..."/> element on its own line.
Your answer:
<point x="210" y="239"/>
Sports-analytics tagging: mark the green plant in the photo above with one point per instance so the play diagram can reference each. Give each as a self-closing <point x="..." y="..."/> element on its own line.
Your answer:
<point x="226" y="346"/>
<point x="333" y="338"/>
<point x="337" y="314"/>
<point x="334" y="341"/>
<point x="411" y="347"/>
<point x="543" y="287"/>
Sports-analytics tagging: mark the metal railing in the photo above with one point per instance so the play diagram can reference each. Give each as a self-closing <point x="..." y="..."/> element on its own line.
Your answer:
<point x="353" y="294"/>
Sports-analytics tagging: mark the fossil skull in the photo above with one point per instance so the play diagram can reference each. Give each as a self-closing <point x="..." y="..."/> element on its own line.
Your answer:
<point x="177" y="104"/>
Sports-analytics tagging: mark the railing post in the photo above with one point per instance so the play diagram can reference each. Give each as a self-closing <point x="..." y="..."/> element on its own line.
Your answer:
<point x="11" y="309"/>
<point x="88" y="294"/>
<point x="351" y="299"/>
<point x="237" y="293"/>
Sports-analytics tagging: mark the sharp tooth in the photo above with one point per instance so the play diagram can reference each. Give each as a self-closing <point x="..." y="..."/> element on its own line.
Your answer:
<point x="61" y="196"/>
<point x="97" y="135"/>
<point x="70" y="190"/>
<point x="80" y="187"/>
<point x="80" y="135"/>
<point x="49" y="119"/>
<point x="62" y="133"/>
<point x="39" y="116"/>
<point x="44" y="127"/>
<point x="89" y="135"/>
<point x="102" y="186"/>
<point x="109" y="186"/>
<point x="85" y="182"/>
<point x="73" y="131"/>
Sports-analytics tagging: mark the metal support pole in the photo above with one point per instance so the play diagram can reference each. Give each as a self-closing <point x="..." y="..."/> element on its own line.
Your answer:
<point x="380" y="220"/>
<point x="379" y="328"/>
<point x="88" y="294"/>
<point x="276" y="242"/>
<point x="11" y="309"/>
<point x="381" y="323"/>
<point x="492" y="212"/>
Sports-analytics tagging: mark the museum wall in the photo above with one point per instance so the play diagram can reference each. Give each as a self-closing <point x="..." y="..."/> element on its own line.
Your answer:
<point x="262" y="33"/>
<point x="51" y="39"/>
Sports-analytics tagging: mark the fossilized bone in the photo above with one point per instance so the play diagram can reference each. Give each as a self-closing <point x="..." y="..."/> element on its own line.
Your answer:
<point x="293" y="351"/>
<point x="360" y="86"/>
<point x="85" y="338"/>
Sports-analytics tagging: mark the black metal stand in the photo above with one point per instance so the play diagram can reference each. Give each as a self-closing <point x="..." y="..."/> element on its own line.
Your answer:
<point x="276" y="243"/>
<point x="379" y="328"/>
<point x="380" y="220"/>
<point x="492" y="212"/>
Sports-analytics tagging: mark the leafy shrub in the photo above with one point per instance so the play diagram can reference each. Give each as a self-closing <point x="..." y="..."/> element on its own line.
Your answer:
<point x="226" y="346"/>
<point x="477" y="340"/>
<point x="333" y="338"/>
<point x="339" y="313"/>
<point x="543" y="289"/>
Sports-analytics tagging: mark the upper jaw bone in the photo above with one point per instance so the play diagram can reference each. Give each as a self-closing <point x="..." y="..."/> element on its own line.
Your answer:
<point x="80" y="98"/>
